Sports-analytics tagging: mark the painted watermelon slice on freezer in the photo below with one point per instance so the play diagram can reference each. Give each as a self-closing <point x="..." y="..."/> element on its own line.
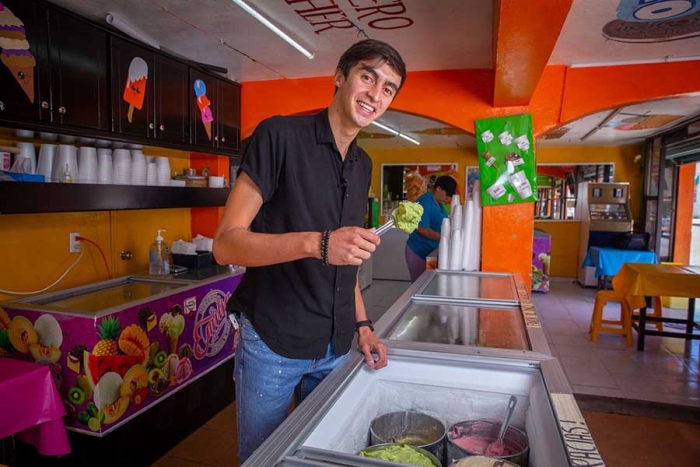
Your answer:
<point x="97" y="365"/>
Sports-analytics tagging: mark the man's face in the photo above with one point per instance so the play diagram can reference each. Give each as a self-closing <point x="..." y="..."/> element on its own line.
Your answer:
<point x="441" y="196"/>
<point x="367" y="91"/>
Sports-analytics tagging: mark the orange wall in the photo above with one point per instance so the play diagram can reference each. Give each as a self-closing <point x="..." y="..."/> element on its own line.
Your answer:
<point x="684" y="214"/>
<point x="459" y="97"/>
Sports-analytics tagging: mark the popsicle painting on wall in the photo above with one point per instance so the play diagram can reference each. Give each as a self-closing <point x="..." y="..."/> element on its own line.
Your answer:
<point x="15" y="51"/>
<point x="200" y="90"/>
<point x="135" y="89"/>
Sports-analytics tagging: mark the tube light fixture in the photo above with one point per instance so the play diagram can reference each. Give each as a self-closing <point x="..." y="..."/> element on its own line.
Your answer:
<point x="273" y="28"/>
<point x="396" y="133"/>
<point x="602" y="124"/>
<point x="129" y="30"/>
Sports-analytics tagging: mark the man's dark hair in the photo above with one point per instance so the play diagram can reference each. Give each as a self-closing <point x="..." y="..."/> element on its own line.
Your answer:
<point x="447" y="183"/>
<point x="370" y="49"/>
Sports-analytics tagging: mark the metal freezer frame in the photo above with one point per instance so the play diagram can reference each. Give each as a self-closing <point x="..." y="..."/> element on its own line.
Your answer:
<point x="284" y="446"/>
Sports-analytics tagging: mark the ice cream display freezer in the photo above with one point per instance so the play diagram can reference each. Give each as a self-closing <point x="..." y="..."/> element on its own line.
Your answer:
<point x="118" y="347"/>
<point x="460" y="345"/>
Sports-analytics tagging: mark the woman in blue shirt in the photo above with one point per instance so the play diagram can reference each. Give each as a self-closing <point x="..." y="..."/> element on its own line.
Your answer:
<point x="426" y="237"/>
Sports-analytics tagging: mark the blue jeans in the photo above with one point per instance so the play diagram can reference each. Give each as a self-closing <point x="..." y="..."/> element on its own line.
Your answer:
<point x="265" y="383"/>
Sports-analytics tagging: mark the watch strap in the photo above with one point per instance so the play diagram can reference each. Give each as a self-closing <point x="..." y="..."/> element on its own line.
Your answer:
<point x="364" y="323"/>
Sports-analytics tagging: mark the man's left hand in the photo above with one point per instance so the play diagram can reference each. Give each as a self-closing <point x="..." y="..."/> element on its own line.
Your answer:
<point x="368" y="342"/>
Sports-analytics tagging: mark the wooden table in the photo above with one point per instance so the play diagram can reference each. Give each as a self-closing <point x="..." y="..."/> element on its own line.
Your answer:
<point x="660" y="280"/>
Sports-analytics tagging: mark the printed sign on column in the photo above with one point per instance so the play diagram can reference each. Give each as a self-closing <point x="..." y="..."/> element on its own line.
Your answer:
<point x="506" y="160"/>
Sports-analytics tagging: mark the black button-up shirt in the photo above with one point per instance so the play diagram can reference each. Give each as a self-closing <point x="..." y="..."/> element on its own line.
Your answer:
<point x="299" y="307"/>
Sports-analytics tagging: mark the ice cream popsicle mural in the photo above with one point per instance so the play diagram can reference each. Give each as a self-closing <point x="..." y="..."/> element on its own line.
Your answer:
<point x="200" y="90"/>
<point x="15" y="51"/>
<point x="135" y="90"/>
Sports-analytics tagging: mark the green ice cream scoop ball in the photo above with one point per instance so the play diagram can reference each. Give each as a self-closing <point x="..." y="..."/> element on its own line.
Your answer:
<point x="407" y="216"/>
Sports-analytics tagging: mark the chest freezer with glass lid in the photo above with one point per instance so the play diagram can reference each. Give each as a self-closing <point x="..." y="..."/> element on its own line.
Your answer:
<point x="117" y="347"/>
<point x="481" y="288"/>
<point x="332" y="425"/>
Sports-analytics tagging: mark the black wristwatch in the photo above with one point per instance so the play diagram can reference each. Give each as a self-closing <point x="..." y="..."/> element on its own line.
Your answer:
<point x="366" y="322"/>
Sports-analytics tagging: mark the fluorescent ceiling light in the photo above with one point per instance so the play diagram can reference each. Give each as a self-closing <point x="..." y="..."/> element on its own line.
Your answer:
<point x="396" y="133"/>
<point x="130" y="30"/>
<point x="666" y="59"/>
<point x="273" y="28"/>
<point x="602" y="124"/>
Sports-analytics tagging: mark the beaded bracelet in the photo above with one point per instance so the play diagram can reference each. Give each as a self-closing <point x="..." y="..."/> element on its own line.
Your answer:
<point x="324" y="247"/>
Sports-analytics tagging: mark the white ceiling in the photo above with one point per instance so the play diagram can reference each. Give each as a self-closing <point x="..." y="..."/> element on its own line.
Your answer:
<point x="438" y="34"/>
<point x="583" y="40"/>
<point x="218" y="32"/>
<point x="631" y="124"/>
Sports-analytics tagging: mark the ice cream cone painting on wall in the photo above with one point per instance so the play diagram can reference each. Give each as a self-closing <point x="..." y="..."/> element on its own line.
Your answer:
<point x="15" y="51"/>
<point x="135" y="90"/>
<point x="200" y="90"/>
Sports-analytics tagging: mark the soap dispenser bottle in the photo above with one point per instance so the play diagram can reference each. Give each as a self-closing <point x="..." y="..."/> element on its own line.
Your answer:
<point x="159" y="257"/>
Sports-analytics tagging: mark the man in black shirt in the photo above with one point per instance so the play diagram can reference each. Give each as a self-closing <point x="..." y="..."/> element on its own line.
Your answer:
<point x="294" y="218"/>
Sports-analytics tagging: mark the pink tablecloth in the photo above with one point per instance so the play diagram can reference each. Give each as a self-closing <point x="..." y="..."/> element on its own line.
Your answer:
<point x="31" y="407"/>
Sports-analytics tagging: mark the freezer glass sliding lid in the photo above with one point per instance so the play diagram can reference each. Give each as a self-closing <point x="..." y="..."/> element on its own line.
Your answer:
<point x="482" y="287"/>
<point x="446" y="387"/>
<point x="101" y="296"/>
<point x="437" y="323"/>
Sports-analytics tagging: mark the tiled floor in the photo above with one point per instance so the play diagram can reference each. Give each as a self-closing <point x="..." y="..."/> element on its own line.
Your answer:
<point x="668" y="371"/>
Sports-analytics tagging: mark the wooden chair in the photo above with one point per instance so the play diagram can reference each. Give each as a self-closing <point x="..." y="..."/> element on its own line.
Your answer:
<point x="623" y="325"/>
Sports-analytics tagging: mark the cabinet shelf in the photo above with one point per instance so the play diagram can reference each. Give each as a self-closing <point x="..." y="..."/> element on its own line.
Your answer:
<point x="34" y="198"/>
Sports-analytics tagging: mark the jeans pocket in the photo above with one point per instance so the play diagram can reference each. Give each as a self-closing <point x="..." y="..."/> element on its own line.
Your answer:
<point x="248" y="332"/>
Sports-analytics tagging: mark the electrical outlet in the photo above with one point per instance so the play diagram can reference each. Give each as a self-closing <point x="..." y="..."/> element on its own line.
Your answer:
<point x="74" y="244"/>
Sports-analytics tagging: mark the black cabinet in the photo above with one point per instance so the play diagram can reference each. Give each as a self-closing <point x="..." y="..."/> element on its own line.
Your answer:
<point x="24" y="71"/>
<point x="149" y="93"/>
<point x="230" y="116"/>
<point x="214" y="111"/>
<point x="172" y="101"/>
<point x="132" y="82"/>
<point x="66" y="74"/>
<point x="78" y="73"/>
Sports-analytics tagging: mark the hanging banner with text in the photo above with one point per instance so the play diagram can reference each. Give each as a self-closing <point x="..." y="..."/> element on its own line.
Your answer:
<point x="506" y="160"/>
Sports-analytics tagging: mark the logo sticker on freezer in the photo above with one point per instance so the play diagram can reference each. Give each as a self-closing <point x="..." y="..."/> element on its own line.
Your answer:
<point x="211" y="326"/>
<point x="190" y="306"/>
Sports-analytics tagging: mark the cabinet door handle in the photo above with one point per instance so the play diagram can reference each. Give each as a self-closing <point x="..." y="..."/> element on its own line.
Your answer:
<point x="151" y="126"/>
<point x="216" y="138"/>
<point x="162" y="128"/>
<point x="44" y="105"/>
<point x="223" y="139"/>
<point x="62" y="110"/>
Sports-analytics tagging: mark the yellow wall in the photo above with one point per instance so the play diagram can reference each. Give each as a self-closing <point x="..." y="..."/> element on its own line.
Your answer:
<point x="565" y="241"/>
<point x="623" y="158"/>
<point x="34" y="247"/>
<point x="566" y="235"/>
<point x="461" y="156"/>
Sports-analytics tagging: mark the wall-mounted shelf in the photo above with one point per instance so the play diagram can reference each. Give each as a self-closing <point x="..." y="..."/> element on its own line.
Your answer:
<point x="33" y="198"/>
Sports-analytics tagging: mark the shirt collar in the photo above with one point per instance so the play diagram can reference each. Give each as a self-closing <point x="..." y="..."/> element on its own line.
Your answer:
<point x="324" y="134"/>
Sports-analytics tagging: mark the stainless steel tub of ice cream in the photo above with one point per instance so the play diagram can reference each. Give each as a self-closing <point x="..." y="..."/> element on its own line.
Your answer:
<point x="410" y="427"/>
<point x="474" y="437"/>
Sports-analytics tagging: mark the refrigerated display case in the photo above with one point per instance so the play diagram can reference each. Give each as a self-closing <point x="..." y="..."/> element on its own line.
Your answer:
<point x="447" y="359"/>
<point x="118" y="347"/>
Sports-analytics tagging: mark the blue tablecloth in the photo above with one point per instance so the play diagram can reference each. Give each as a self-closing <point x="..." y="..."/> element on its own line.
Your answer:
<point x="607" y="261"/>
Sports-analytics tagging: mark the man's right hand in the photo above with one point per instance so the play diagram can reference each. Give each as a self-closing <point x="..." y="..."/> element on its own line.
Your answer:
<point x="351" y="245"/>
